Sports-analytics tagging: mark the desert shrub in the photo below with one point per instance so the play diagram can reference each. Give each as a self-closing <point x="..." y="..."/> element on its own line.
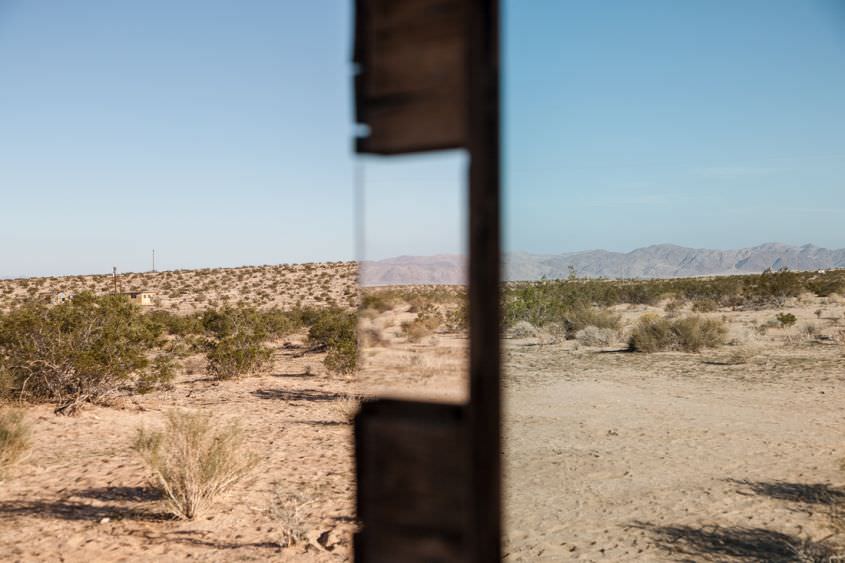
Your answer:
<point x="595" y="336"/>
<point x="776" y="287"/>
<point x="674" y="305"/>
<point x="427" y="320"/>
<point x="705" y="305"/>
<point x="290" y="510"/>
<point x="237" y="335"/>
<point x="160" y="375"/>
<point x="173" y="324"/>
<point x="786" y="319"/>
<point x="14" y="438"/>
<point x="582" y="317"/>
<point x="826" y="286"/>
<point x="522" y="329"/>
<point x="809" y="331"/>
<point x="457" y="318"/>
<point x="82" y="350"/>
<point x="192" y="461"/>
<point x="540" y="302"/>
<point x="278" y="323"/>
<point x="688" y="334"/>
<point x="235" y="355"/>
<point x="336" y="330"/>
<point x="378" y="301"/>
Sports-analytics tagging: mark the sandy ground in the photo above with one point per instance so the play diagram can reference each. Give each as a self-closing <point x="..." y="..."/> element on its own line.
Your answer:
<point x="83" y="496"/>
<point x="624" y="457"/>
<point x="610" y="456"/>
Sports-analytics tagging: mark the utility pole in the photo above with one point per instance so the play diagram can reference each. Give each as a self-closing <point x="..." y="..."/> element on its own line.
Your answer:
<point x="114" y="278"/>
<point x="154" y="260"/>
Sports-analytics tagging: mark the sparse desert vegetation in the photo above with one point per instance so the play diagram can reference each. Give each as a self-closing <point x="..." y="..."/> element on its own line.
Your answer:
<point x="173" y="407"/>
<point x="244" y="408"/>
<point x="192" y="461"/>
<point x="14" y="438"/>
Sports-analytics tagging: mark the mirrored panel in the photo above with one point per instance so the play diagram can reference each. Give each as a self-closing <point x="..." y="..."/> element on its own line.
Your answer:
<point x="412" y="320"/>
<point x="674" y="257"/>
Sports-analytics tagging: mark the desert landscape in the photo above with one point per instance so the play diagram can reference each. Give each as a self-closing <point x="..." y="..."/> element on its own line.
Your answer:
<point x="683" y="419"/>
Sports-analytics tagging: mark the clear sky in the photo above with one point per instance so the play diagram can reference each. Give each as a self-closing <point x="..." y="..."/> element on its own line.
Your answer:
<point x="218" y="133"/>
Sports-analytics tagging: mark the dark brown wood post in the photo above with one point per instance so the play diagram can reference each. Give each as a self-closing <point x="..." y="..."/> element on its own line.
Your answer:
<point x="484" y="277"/>
<point x="429" y="475"/>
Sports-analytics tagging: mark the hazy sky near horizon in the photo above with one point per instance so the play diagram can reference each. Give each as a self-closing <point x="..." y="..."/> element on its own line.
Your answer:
<point x="219" y="133"/>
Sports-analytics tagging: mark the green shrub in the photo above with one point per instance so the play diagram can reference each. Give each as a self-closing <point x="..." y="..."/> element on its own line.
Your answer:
<point x="336" y="329"/>
<point x="236" y="355"/>
<point x="689" y="334"/>
<point x="192" y="461"/>
<point x="786" y="319"/>
<point x="826" y="286"/>
<point x="237" y="336"/>
<point x="378" y="301"/>
<point x="82" y="350"/>
<point x="173" y="324"/>
<point x="160" y="375"/>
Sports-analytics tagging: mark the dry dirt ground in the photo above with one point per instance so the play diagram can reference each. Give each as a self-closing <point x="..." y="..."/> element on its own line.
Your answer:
<point x="82" y="495"/>
<point x="619" y="456"/>
<point x="730" y="454"/>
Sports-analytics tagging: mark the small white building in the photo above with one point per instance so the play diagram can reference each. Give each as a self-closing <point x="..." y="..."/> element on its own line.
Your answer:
<point x="142" y="298"/>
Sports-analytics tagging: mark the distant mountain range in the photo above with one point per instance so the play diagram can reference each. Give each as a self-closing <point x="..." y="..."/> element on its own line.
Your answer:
<point x="658" y="261"/>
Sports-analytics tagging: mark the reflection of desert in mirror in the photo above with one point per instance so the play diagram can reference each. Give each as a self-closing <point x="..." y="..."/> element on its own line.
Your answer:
<point x="412" y="325"/>
<point x="675" y="320"/>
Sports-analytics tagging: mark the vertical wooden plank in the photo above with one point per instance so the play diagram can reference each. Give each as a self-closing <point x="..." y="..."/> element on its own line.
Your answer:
<point x="413" y="475"/>
<point x="484" y="277"/>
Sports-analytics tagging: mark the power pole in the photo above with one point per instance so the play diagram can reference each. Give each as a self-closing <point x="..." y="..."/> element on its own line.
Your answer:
<point x="114" y="278"/>
<point x="154" y="260"/>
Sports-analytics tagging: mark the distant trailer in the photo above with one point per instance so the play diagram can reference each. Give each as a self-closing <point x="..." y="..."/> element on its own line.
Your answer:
<point x="142" y="298"/>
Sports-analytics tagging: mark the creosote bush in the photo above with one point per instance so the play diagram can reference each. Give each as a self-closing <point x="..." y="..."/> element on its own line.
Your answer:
<point x="14" y="438"/>
<point x="689" y="334"/>
<point x="85" y="349"/>
<point x="336" y="330"/>
<point x="192" y="460"/>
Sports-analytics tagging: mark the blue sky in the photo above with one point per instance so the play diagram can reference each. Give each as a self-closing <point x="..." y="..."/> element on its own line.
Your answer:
<point x="219" y="133"/>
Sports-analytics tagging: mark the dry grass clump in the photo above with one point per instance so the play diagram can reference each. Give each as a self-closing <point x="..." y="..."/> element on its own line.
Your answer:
<point x="193" y="460"/>
<point x="14" y="438"/>
<point x="689" y="334"/>
<point x="705" y="305"/>
<point x="290" y="510"/>
<point x="347" y="407"/>
<point x="428" y="320"/>
<point x="596" y="336"/>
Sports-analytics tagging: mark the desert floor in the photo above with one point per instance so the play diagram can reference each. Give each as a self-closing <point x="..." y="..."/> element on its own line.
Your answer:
<point x="627" y="457"/>
<point x="610" y="455"/>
